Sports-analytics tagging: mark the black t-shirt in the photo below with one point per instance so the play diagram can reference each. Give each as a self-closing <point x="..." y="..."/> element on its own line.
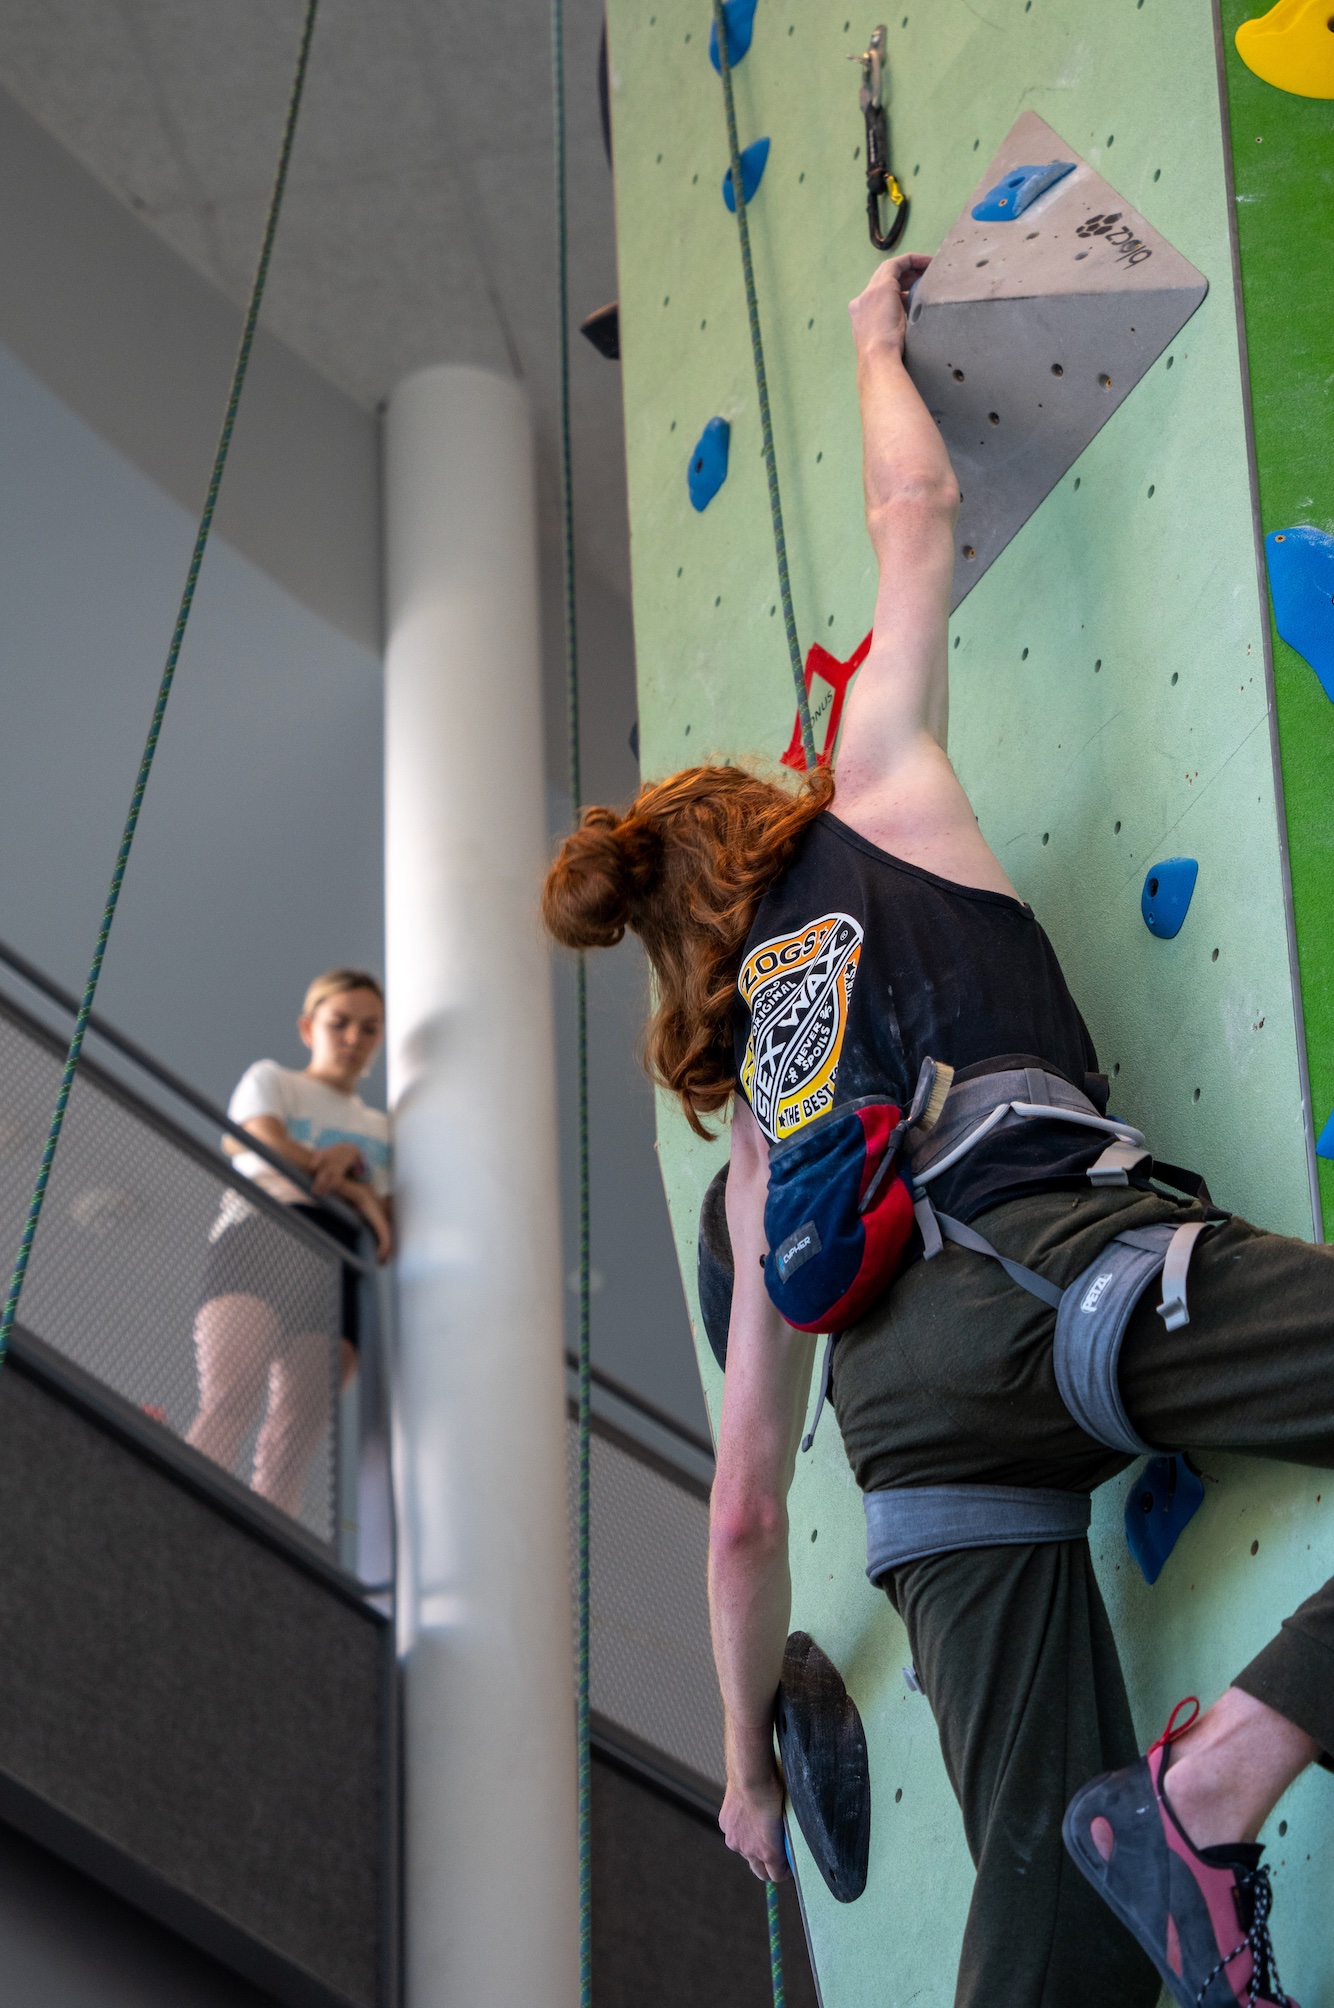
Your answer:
<point x="859" y="966"/>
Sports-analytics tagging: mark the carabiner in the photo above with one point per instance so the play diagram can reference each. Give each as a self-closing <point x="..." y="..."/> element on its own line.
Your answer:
<point x="881" y="183"/>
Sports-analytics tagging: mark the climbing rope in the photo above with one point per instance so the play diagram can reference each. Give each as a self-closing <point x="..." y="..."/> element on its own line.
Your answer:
<point x="164" y="691"/>
<point x="762" y="387"/>
<point x="775" y="1945"/>
<point x="580" y="1020"/>
<point x="789" y="620"/>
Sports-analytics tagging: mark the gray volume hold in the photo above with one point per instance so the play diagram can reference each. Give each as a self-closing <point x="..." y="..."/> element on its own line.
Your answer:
<point x="1025" y="335"/>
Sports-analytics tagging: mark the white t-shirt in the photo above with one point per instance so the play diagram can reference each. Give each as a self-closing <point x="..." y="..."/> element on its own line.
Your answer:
<point x="313" y="1114"/>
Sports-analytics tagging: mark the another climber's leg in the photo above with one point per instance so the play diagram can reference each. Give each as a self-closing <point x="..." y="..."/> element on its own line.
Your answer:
<point x="1016" y="1656"/>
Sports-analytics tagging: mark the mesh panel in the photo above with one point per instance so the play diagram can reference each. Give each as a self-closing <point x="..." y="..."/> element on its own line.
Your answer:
<point x="124" y="1259"/>
<point x="651" y="1663"/>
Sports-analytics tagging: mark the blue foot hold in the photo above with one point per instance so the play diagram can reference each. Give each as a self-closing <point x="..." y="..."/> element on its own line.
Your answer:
<point x="1021" y="186"/>
<point x="1301" y="580"/>
<point x="1165" y="900"/>
<point x="1325" y="1141"/>
<point x="1164" y="1497"/>
<point x="752" y="174"/>
<point x="739" y="17"/>
<point x="708" y="462"/>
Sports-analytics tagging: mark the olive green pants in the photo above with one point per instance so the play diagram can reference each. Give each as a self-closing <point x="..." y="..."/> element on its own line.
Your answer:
<point x="951" y="1378"/>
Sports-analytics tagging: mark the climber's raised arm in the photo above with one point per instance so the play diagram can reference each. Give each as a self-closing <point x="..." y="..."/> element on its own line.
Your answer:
<point x="895" y="783"/>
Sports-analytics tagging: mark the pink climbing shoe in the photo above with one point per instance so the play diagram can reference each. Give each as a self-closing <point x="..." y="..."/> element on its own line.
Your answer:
<point x="1201" y="1914"/>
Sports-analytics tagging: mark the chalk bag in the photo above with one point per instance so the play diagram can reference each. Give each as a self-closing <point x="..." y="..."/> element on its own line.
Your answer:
<point x="838" y="1217"/>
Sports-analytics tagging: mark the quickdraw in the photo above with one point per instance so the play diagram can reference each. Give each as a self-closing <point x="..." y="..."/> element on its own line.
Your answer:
<point x="881" y="182"/>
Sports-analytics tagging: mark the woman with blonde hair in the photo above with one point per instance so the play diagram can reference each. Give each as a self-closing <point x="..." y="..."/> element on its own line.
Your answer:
<point x="262" y="1341"/>
<point x="923" y="1163"/>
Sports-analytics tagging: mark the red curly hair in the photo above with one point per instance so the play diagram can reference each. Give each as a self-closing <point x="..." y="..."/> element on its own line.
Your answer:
<point x="685" y="868"/>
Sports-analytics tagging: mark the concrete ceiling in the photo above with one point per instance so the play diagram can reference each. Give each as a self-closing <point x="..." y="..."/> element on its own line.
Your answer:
<point x="419" y="219"/>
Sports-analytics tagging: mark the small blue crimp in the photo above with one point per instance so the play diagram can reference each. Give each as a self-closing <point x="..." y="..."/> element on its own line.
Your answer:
<point x="1021" y="187"/>
<point x="708" y="462"/>
<point x="1165" y="1495"/>
<point x="1165" y="900"/>
<point x="739" y="19"/>
<point x="753" y="161"/>
<point x="1301" y="583"/>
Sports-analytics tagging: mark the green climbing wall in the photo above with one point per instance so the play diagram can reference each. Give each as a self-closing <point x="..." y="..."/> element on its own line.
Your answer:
<point x="1283" y="163"/>
<point x="1110" y="708"/>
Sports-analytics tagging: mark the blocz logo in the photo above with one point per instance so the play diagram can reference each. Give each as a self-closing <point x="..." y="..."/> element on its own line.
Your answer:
<point x="1130" y="250"/>
<point x="798" y="988"/>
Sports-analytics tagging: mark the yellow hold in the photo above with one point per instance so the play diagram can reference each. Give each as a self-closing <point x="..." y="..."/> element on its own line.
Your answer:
<point x="1292" y="47"/>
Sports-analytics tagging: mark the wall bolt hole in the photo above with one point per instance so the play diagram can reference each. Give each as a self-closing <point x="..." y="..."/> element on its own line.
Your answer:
<point x="1058" y="369"/>
<point x="1105" y="381"/>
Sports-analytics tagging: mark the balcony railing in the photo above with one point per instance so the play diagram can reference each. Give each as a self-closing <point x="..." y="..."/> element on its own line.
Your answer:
<point x="187" y="1291"/>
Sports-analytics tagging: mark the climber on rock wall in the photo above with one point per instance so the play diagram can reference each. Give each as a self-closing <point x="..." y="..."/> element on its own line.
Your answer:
<point x="847" y="966"/>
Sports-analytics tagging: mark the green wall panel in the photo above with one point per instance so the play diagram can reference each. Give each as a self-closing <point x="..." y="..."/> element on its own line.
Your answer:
<point x="1283" y="160"/>
<point x="1109" y="707"/>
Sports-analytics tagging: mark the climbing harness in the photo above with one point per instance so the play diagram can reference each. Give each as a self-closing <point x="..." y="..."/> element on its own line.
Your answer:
<point x="881" y="183"/>
<point x="906" y="1523"/>
<point x="762" y="390"/>
<point x="239" y="370"/>
<point x="585" y="1391"/>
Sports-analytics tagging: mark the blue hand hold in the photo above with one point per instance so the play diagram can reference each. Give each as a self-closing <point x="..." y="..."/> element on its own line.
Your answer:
<point x="1325" y="1141"/>
<point x="1164" y="1497"/>
<point x="708" y="462"/>
<point x="753" y="162"/>
<point x="1301" y="580"/>
<point x="1165" y="900"/>
<point x="1021" y="186"/>
<point x="739" y="17"/>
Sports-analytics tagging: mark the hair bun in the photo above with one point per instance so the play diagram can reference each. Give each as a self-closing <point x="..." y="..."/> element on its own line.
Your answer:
<point x="603" y="872"/>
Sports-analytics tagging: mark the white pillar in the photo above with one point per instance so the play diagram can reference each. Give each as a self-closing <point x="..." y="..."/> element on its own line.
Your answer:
<point x="484" y="1582"/>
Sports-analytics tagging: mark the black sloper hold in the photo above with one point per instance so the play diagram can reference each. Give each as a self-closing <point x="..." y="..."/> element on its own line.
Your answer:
<point x="603" y="329"/>
<point x="825" y="1764"/>
<point x="714" y="1267"/>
